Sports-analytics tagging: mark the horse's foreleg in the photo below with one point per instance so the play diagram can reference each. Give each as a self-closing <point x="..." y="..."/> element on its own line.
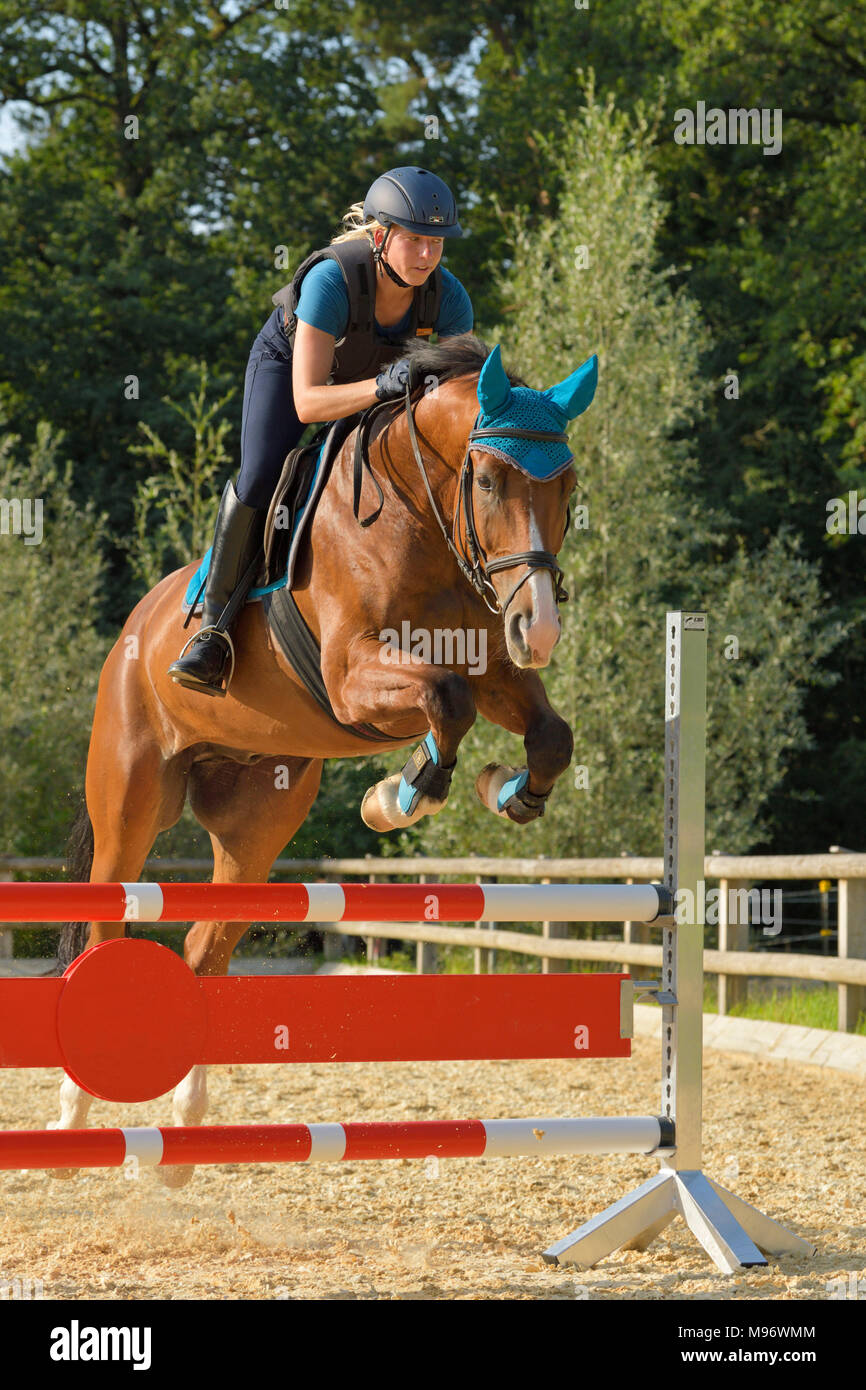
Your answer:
<point x="518" y="702"/>
<point x="374" y="691"/>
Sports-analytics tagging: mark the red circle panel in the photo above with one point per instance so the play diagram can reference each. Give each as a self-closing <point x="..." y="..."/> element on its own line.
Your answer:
<point x="131" y="1021"/>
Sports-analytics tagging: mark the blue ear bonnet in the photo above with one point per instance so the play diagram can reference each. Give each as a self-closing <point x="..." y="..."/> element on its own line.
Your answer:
<point x="521" y="407"/>
<point x="528" y="409"/>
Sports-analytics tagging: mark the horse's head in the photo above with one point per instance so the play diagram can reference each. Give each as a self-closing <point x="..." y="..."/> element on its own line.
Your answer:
<point x="514" y="495"/>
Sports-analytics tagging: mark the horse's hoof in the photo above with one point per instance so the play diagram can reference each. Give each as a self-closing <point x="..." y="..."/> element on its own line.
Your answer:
<point x="176" y="1177"/>
<point x="489" y="784"/>
<point x="381" y="810"/>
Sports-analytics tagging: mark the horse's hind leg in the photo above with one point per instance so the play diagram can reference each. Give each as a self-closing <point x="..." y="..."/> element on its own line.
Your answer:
<point x="133" y="790"/>
<point x="146" y="796"/>
<point x="251" y="812"/>
<point x="132" y="794"/>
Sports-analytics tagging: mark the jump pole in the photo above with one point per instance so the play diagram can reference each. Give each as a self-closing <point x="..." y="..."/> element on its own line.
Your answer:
<point x="329" y="1143"/>
<point x="332" y="902"/>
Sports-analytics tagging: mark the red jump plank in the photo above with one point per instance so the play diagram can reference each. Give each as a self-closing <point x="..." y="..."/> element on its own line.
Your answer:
<point x="129" y="1019"/>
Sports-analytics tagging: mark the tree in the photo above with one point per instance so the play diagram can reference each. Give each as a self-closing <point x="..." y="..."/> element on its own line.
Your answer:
<point x="50" y="652"/>
<point x="590" y="282"/>
<point x="181" y="161"/>
<point x="175" y="507"/>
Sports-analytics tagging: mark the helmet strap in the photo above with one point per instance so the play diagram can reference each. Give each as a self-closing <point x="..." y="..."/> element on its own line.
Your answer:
<point x="379" y="260"/>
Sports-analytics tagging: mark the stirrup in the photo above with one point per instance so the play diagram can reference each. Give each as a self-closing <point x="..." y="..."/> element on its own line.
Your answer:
<point x="212" y="627"/>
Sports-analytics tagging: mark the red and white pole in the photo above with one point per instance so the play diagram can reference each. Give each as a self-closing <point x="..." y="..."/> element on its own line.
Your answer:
<point x="325" y="1143"/>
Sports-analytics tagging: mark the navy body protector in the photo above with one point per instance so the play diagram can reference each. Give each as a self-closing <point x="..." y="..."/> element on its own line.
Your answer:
<point x="361" y="353"/>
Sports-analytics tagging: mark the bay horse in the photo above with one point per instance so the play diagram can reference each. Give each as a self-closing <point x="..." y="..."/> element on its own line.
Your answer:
<point x="250" y="764"/>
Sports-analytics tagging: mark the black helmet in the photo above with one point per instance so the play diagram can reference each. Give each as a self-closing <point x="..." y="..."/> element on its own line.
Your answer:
<point x="414" y="199"/>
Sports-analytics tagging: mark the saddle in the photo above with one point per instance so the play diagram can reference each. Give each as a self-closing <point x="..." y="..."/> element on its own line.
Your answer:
<point x="298" y="488"/>
<point x="303" y="476"/>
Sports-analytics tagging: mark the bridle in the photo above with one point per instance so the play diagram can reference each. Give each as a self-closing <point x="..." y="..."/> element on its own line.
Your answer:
<point x="471" y="558"/>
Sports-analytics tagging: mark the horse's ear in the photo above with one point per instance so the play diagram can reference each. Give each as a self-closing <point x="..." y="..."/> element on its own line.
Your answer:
<point x="573" y="395"/>
<point x="494" y="387"/>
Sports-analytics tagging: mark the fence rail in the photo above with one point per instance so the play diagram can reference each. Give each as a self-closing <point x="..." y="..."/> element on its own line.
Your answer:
<point x="833" y="864"/>
<point x="733" y="963"/>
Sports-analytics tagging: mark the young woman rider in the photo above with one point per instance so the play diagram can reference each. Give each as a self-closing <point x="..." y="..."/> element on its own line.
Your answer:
<point x="330" y="348"/>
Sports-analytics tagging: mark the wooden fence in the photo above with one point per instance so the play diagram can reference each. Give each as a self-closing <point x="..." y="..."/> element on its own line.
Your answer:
<point x="728" y="876"/>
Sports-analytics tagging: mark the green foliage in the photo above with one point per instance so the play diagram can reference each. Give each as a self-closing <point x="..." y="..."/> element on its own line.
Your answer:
<point x="169" y="160"/>
<point x="50" y="653"/>
<point x="334" y="828"/>
<point x="175" y="508"/>
<point x="650" y="543"/>
<point x="771" y="635"/>
<point x="181" y="160"/>
<point x="809" y="1008"/>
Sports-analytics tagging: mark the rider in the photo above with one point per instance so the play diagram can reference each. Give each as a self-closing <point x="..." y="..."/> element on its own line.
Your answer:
<point x="341" y="320"/>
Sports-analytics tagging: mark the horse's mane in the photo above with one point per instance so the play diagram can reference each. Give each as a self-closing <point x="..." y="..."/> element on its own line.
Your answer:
<point x="453" y="357"/>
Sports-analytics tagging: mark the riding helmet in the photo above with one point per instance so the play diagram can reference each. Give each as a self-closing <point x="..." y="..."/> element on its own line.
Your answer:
<point x="413" y="199"/>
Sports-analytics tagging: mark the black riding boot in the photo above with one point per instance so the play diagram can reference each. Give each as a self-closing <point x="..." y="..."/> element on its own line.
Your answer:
<point x="237" y="542"/>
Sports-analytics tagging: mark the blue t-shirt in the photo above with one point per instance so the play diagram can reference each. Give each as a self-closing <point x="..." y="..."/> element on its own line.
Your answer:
<point x="324" y="304"/>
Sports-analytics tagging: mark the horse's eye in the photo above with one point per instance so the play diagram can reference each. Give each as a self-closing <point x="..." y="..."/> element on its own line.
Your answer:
<point x="485" y="483"/>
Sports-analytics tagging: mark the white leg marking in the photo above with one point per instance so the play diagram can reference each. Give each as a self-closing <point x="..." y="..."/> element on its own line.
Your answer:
<point x="189" y="1106"/>
<point x="544" y="628"/>
<point x="74" y="1105"/>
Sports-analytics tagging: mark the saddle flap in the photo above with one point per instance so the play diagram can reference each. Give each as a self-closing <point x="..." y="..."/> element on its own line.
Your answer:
<point x="302" y="479"/>
<point x="289" y="494"/>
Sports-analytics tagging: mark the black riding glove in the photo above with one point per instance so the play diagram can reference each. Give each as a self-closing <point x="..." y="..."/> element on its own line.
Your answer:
<point x="393" y="380"/>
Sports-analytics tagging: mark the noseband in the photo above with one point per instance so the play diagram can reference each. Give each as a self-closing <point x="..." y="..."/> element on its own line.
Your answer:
<point x="472" y="560"/>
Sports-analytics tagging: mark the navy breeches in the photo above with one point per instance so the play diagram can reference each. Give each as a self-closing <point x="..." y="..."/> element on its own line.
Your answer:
<point x="270" y="426"/>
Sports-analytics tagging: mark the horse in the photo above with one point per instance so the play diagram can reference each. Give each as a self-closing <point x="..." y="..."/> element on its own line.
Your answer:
<point x="466" y="446"/>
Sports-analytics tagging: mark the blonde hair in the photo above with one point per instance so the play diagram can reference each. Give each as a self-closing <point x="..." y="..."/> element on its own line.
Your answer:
<point x="356" y="226"/>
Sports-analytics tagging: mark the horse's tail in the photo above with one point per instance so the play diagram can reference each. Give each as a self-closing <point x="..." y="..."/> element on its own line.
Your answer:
<point x="79" y="858"/>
